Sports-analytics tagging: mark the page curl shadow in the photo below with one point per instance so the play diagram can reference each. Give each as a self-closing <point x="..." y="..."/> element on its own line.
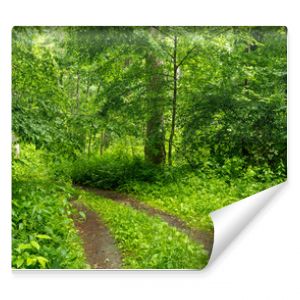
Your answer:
<point x="231" y="220"/>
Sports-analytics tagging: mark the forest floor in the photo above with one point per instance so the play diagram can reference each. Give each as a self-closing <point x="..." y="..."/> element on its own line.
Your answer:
<point x="99" y="245"/>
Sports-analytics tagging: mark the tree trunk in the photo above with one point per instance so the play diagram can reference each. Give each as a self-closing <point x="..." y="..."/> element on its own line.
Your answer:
<point x="132" y="146"/>
<point x="174" y="102"/>
<point x="104" y="141"/>
<point x="101" y="142"/>
<point x="89" y="144"/>
<point x="155" y="134"/>
<point x="77" y="93"/>
<point x="87" y="90"/>
<point x="246" y="81"/>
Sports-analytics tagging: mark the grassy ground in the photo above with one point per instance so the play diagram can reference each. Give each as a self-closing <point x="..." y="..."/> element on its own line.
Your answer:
<point x="146" y="242"/>
<point x="193" y="199"/>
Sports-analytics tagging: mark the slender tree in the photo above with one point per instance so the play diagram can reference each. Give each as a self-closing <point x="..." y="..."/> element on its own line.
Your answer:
<point x="174" y="102"/>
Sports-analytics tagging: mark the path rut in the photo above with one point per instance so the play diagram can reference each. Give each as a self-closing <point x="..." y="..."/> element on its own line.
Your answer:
<point x="202" y="237"/>
<point x="100" y="249"/>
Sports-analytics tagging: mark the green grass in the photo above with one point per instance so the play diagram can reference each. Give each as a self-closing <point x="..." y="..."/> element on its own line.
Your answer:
<point x="146" y="242"/>
<point x="192" y="199"/>
<point x="43" y="235"/>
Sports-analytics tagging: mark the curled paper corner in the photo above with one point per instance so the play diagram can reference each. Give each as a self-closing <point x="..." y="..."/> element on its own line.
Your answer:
<point x="231" y="220"/>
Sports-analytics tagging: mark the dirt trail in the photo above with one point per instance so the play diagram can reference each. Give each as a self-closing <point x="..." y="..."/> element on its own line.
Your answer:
<point x="99" y="245"/>
<point x="205" y="238"/>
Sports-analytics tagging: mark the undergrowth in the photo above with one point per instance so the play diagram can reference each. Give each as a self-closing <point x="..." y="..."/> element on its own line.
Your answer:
<point x="190" y="194"/>
<point x="43" y="234"/>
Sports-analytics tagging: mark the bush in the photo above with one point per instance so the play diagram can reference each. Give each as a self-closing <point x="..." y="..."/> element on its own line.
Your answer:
<point x="112" y="172"/>
<point x="43" y="232"/>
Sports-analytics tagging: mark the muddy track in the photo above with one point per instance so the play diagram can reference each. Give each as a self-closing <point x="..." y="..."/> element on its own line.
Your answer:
<point x="100" y="249"/>
<point x="202" y="237"/>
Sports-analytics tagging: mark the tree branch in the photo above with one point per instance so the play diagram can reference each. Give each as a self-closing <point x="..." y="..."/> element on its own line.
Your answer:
<point x="164" y="33"/>
<point x="186" y="56"/>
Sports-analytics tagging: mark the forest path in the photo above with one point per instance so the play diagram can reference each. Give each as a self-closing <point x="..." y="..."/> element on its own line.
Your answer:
<point x="203" y="237"/>
<point x="99" y="246"/>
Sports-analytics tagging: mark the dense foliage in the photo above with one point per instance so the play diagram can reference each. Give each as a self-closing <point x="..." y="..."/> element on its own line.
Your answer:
<point x="44" y="235"/>
<point x="186" y="119"/>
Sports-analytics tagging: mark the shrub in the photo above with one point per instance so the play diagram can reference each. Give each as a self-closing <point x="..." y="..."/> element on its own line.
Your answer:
<point x="43" y="232"/>
<point x="112" y="172"/>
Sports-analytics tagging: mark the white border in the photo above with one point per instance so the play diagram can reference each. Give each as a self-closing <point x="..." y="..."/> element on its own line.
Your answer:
<point x="262" y="263"/>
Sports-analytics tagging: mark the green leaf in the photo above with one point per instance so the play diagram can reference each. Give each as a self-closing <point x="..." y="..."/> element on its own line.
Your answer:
<point x="82" y="215"/>
<point x="35" y="244"/>
<point x="42" y="261"/>
<point x="43" y="237"/>
<point x="24" y="247"/>
<point x="19" y="262"/>
<point x="30" y="261"/>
